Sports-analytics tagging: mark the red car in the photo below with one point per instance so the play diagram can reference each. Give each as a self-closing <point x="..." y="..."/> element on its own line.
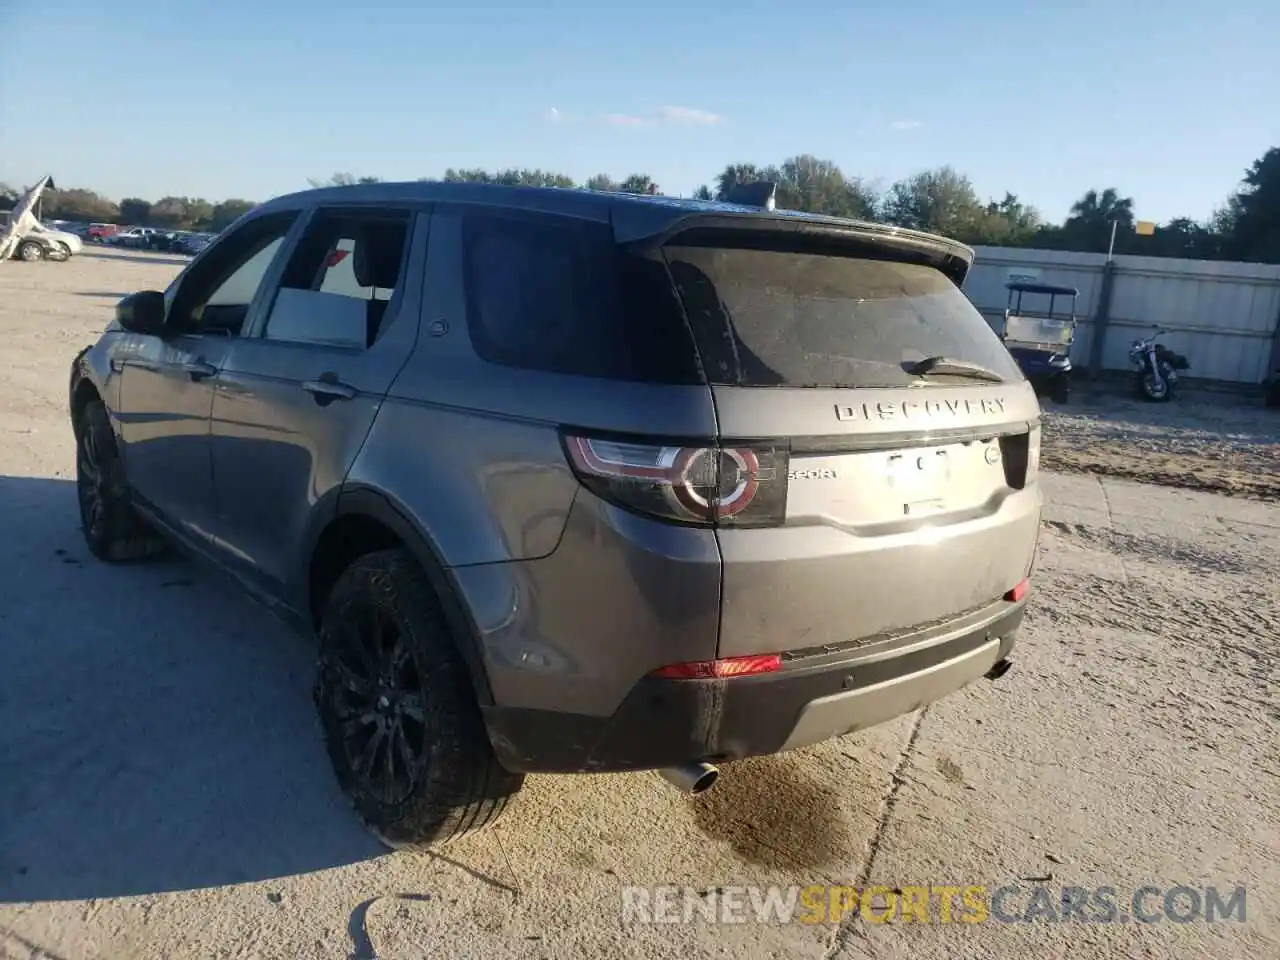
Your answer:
<point x="100" y="231"/>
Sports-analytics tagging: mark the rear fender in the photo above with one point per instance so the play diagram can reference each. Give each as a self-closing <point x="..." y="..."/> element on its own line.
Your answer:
<point x="356" y="500"/>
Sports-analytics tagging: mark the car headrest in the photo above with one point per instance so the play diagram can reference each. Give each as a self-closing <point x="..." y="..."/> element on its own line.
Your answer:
<point x="376" y="258"/>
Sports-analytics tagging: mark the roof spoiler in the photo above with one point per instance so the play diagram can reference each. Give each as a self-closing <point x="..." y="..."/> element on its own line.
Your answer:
<point x="757" y="193"/>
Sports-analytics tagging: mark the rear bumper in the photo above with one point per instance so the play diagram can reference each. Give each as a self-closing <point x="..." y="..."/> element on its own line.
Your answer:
<point x="814" y="697"/>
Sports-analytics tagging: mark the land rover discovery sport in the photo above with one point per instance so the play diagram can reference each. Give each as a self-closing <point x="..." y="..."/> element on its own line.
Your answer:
<point x="566" y="481"/>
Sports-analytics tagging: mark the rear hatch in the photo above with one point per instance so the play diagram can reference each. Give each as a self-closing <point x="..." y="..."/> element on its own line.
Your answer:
<point x="890" y="421"/>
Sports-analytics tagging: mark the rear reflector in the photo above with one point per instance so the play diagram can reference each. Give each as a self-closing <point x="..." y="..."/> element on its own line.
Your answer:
<point x="1018" y="592"/>
<point x="729" y="667"/>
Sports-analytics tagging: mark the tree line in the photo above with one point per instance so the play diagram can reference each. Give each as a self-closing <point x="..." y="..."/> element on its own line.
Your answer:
<point x="169" y="213"/>
<point x="942" y="200"/>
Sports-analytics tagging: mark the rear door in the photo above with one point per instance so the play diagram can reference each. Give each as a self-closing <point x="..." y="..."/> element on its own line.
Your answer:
<point x="908" y="499"/>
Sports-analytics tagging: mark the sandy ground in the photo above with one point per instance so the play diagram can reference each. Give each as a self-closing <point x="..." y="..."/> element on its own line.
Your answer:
<point x="163" y="791"/>
<point x="1198" y="441"/>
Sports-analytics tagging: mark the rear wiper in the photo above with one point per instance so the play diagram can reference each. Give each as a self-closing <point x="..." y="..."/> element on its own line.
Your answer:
<point x="953" y="367"/>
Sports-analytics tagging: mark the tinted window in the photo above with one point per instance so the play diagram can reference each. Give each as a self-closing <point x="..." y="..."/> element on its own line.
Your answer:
<point x="214" y="294"/>
<point x="768" y="318"/>
<point x="559" y="296"/>
<point x="340" y="278"/>
<point x="239" y="288"/>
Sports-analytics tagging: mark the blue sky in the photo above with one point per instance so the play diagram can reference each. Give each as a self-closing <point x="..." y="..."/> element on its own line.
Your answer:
<point x="1168" y="101"/>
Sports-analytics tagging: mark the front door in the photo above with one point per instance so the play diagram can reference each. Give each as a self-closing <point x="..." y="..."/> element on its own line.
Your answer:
<point x="298" y="394"/>
<point x="166" y="382"/>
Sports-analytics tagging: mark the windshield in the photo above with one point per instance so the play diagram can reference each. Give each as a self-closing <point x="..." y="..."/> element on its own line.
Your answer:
<point x="766" y="318"/>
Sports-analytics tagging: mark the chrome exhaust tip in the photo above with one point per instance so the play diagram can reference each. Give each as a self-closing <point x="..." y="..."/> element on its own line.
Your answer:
<point x="691" y="777"/>
<point x="999" y="669"/>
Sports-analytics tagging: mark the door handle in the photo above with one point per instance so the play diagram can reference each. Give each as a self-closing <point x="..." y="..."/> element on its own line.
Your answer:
<point x="325" y="390"/>
<point x="199" y="370"/>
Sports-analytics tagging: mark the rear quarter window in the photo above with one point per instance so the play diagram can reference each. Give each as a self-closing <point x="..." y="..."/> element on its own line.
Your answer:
<point x="556" y="294"/>
<point x="766" y="318"/>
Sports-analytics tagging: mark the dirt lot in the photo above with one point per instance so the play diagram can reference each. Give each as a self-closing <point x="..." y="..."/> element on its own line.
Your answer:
<point x="163" y="791"/>
<point x="1200" y="441"/>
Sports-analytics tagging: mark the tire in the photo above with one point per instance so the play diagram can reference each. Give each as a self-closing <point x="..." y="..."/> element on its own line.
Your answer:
<point x="1148" y="390"/>
<point x="113" y="531"/>
<point x="1061" y="391"/>
<point x="394" y="696"/>
<point x="30" y="251"/>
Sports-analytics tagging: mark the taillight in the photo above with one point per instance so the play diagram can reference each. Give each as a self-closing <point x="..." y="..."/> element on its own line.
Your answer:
<point x="729" y="667"/>
<point x="1019" y="591"/>
<point x="707" y="485"/>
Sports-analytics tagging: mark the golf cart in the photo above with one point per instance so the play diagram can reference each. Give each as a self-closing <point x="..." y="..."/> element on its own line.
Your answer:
<point x="1040" y="340"/>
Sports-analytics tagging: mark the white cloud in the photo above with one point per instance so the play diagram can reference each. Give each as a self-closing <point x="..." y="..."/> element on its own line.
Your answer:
<point x="557" y="116"/>
<point x="689" y="115"/>
<point x="664" y="116"/>
<point x="906" y="125"/>
<point x="624" y="120"/>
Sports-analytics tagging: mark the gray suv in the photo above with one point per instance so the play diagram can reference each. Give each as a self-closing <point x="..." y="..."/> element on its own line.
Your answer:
<point x="565" y="481"/>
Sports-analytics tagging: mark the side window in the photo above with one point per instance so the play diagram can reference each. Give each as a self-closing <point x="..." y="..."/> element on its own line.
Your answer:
<point x="215" y="295"/>
<point x="239" y="288"/>
<point x="558" y="295"/>
<point x="340" y="275"/>
<point x="338" y="285"/>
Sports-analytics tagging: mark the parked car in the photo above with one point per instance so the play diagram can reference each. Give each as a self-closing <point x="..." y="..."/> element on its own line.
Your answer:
<point x="68" y="241"/>
<point x="165" y="240"/>
<point x="101" y="232"/>
<point x="68" y="226"/>
<point x="134" y="237"/>
<point x="193" y="243"/>
<point x="43" y="242"/>
<point x="565" y="481"/>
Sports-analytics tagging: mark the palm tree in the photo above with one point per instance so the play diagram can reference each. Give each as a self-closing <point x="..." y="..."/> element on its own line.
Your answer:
<point x="1096" y="209"/>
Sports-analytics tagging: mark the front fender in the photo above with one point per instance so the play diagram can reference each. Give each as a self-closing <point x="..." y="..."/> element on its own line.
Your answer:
<point x="77" y="370"/>
<point x="91" y="369"/>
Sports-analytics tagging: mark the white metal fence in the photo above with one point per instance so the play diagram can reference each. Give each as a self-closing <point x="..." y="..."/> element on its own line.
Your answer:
<point x="1223" y="316"/>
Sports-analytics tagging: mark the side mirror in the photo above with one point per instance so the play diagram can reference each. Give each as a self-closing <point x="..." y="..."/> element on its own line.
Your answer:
<point x="142" y="312"/>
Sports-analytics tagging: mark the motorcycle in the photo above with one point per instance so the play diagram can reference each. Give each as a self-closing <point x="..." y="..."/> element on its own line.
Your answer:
<point x="1157" y="367"/>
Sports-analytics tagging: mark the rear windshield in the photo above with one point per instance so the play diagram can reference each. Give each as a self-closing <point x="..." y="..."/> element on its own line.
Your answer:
<point x="765" y="318"/>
